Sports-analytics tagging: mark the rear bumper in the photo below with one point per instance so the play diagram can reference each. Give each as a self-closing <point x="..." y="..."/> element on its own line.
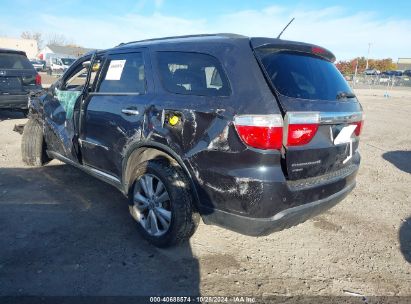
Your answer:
<point x="282" y="220"/>
<point x="13" y="102"/>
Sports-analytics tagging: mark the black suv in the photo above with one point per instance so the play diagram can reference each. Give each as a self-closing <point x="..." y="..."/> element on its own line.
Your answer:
<point x="253" y="134"/>
<point x="18" y="79"/>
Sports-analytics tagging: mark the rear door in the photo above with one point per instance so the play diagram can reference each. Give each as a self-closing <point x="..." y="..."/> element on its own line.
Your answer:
<point x="17" y="74"/>
<point x="322" y="117"/>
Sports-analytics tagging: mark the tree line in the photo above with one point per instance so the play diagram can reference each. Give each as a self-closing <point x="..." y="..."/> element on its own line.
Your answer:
<point x="349" y="66"/>
<point x="50" y="39"/>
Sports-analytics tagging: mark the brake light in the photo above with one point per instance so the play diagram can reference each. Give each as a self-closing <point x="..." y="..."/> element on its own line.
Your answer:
<point x="260" y="131"/>
<point x="301" y="127"/>
<point x="38" y="79"/>
<point x="358" y="129"/>
<point x="317" y="50"/>
<point x="300" y="134"/>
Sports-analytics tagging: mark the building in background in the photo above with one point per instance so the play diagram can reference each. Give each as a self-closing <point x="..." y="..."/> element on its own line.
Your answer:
<point x="52" y="50"/>
<point x="26" y="45"/>
<point x="404" y="63"/>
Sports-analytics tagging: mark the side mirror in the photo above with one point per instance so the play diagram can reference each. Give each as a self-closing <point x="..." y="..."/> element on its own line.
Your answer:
<point x="86" y="64"/>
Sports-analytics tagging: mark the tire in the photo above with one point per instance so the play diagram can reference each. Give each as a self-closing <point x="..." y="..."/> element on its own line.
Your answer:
<point x="33" y="146"/>
<point x="174" y="227"/>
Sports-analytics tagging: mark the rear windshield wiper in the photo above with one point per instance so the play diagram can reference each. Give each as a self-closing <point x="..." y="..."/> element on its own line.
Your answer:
<point x="345" y="95"/>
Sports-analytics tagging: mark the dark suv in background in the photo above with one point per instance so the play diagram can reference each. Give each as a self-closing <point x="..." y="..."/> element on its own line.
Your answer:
<point x="253" y="134"/>
<point x="18" y="79"/>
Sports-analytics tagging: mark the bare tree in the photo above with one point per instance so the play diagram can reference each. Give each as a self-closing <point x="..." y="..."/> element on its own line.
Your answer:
<point x="59" y="39"/>
<point x="33" y="35"/>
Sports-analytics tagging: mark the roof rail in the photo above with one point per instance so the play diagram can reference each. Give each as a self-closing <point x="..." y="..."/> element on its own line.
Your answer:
<point x="229" y="35"/>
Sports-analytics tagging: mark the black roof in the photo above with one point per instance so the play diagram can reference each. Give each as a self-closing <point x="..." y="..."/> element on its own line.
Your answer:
<point x="207" y="39"/>
<point x="186" y="38"/>
<point x="11" y="51"/>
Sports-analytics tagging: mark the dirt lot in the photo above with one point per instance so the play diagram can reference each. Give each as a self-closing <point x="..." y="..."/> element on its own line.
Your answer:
<point x="63" y="232"/>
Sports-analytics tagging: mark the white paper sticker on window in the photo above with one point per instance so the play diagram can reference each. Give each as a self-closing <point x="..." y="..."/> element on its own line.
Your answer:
<point x="115" y="69"/>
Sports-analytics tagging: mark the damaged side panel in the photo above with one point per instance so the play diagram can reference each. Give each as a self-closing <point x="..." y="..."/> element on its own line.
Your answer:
<point x="58" y="130"/>
<point x="223" y="168"/>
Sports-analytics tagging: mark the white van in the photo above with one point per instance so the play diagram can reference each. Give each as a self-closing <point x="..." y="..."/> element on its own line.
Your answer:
<point x="57" y="64"/>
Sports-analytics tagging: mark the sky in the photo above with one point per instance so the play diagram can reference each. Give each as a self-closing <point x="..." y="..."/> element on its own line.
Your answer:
<point x="347" y="28"/>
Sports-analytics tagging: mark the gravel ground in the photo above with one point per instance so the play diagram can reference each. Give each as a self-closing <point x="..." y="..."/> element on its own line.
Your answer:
<point x="63" y="232"/>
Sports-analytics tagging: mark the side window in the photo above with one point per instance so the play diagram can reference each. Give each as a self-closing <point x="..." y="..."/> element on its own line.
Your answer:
<point x="77" y="80"/>
<point x="69" y="92"/>
<point x="123" y="73"/>
<point x="192" y="74"/>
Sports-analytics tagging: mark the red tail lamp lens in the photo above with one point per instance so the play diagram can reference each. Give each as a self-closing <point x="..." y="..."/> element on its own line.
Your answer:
<point x="358" y="129"/>
<point x="260" y="131"/>
<point x="301" y="134"/>
<point x="301" y="127"/>
<point x="38" y="79"/>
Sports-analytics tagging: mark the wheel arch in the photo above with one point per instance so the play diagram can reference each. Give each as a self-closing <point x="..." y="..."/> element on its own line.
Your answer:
<point x="147" y="150"/>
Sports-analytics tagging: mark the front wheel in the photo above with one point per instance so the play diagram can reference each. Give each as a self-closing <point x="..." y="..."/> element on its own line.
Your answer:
<point x="33" y="146"/>
<point x="161" y="203"/>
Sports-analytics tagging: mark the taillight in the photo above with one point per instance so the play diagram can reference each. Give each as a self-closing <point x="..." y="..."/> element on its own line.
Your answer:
<point x="317" y="50"/>
<point x="260" y="131"/>
<point x="358" y="129"/>
<point x="300" y="127"/>
<point x="38" y="79"/>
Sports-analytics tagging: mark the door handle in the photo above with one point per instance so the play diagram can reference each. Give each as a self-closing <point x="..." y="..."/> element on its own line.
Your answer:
<point x="130" y="111"/>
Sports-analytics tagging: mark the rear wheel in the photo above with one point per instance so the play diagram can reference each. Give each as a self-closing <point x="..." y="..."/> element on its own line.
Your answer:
<point x="161" y="203"/>
<point x="33" y="146"/>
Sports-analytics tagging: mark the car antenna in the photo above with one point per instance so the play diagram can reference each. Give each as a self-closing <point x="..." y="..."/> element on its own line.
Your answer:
<point x="278" y="37"/>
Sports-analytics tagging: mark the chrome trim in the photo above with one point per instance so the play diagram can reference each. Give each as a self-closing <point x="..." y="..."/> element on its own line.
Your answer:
<point x="105" y="177"/>
<point x="130" y="112"/>
<point x="340" y="117"/>
<point x="269" y="120"/>
<point x="322" y="117"/>
<point x="302" y="117"/>
<point x="103" y="174"/>
<point x="81" y="141"/>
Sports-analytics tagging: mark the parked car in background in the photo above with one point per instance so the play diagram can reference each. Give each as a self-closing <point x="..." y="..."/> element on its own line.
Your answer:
<point x="384" y="78"/>
<point x="39" y="65"/>
<point x="407" y="73"/>
<point x="18" y="79"/>
<point x="392" y="73"/>
<point x="58" y="65"/>
<point x="372" y="72"/>
<point x="252" y="134"/>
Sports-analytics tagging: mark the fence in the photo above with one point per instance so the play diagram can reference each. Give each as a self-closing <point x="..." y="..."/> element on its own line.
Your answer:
<point x="378" y="81"/>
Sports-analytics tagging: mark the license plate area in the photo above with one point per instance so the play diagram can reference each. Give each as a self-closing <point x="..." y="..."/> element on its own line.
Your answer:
<point x="9" y="83"/>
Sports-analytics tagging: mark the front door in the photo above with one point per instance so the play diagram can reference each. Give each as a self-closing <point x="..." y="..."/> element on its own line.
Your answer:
<point x="113" y="113"/>
<point x="59" y="109"/>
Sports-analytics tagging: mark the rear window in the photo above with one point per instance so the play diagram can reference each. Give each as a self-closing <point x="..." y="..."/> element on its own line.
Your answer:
<point x="303" y="76"/>
<point x="192" y="74"/>
<point x="14" y="62"/>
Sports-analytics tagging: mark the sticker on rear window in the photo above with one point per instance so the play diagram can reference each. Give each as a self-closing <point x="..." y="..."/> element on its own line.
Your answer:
<point x="115" y="69"/>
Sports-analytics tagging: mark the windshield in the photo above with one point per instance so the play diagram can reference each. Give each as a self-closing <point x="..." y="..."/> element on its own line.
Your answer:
<point x="14" y="62"/>
<point x="305" y="76"/>
<point x="67" y="61"/>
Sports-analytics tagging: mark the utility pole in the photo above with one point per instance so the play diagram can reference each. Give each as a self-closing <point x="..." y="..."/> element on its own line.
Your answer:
<point x="368" y="55"/>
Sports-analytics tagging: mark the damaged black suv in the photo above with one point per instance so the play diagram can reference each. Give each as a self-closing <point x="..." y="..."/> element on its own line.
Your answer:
<point x="251" y="134"/>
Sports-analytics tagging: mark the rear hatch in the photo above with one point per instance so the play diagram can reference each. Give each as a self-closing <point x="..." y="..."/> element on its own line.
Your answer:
<point x="17" y="75"/>
<point x="322" y="117"/>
